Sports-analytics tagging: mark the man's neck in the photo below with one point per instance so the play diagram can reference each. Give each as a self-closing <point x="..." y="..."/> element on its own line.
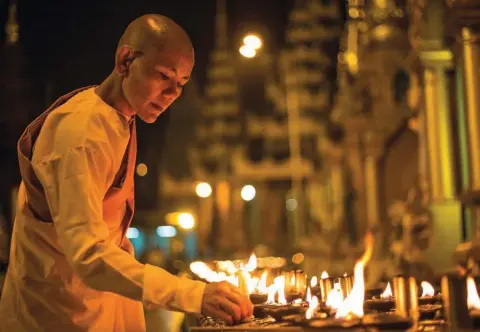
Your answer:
<point x="110" y="91"/>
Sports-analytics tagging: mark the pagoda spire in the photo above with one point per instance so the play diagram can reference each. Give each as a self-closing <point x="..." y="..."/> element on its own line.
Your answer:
<point x="12" y="27"/>
<point x="221" y="25"/>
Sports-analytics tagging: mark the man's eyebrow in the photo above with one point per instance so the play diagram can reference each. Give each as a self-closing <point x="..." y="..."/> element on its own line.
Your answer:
<point x="173" y="70"/>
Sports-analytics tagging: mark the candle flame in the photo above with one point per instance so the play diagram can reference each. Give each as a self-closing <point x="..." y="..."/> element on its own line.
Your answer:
<point x="313" y="281"/>
<point x="308" y="297"/>
<point x="387" y="293"/>
<point x="244" y="282"/>
<point x="262" y="284"/>
<point x="271" y="294"/>
<point x="473" y="300"/>
<point x="252" y="263"/>
<point x="312" y="308"/>
<point x="227" y="266"/>
<point x="334" y="297"/>
<point x="353" y="304"/>
<point x="252" y="283"/>
<point x="324" y="275"/>
<point x="279" y="283"/>
<point x="278" y="287"/>
<point x="204" y="272"/>
<point x="427" y="289"/>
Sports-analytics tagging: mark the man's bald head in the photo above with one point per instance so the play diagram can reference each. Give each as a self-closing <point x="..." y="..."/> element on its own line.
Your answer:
<point x="153" y="61"/>
<point x="158" y="33"/>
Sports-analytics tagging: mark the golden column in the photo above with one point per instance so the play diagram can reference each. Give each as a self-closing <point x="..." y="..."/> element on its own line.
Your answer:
<point x="332" y="201"/>
<point x="223" y="192"/>
<point x="337" y="174"/>
<point x="432" y="134"/>
<point x="236" y="217"/>
<point x="471" y="64"/>
<point x="373" y="151"/>
<point x="465" y="18"/>
<point x="355" y="162"/>
<point x="438" y="131"/>
<point x="438" y="125"/>
<point x="204" y="227"/>
<point x="294" y="141"/>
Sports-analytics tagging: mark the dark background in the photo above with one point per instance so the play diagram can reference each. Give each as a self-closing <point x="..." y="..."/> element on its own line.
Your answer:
<point x="69" y="44"/>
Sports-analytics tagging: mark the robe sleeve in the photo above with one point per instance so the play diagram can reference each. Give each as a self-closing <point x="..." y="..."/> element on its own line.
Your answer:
<point x="75" y="185"/>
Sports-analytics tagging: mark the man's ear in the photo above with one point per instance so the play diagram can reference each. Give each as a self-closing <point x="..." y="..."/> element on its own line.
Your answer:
<point x="124" y="57"/>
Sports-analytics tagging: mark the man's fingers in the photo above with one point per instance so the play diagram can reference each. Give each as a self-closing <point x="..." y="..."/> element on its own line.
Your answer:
<point x="242" y="301"/>
<point x="225" y="301"/>
<point x="247" y="302"/>
<point x="231" y="308"/>
<point x="220" y="314"/>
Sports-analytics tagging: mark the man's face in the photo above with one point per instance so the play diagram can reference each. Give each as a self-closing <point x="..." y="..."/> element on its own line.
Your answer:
<point x="155" y="80"/>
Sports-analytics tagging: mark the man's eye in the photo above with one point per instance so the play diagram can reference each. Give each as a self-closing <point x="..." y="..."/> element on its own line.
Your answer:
<point x="164" y="77"/>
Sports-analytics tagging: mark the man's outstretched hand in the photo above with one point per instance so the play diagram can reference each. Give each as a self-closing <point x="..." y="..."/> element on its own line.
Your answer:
<point x="223" y="300"/>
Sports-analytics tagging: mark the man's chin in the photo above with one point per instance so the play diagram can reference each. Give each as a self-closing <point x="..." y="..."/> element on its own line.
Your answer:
<point x="149" y="117"/>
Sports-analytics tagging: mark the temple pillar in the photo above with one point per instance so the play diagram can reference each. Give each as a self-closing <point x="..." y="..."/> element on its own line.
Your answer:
<point x="355" y="164"/>
<point x="465" y="25"/>
<point x="471" y="62"/>
<point x="438" y="130"/>
<point x="373" y="151"/>
<point x="205" y="215"/>
<point x="337" y="174"/>
<point x="438" y="125"/>
<point x="222" y="197"/>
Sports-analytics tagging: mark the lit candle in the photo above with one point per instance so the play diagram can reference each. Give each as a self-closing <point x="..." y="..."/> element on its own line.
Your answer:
<point x="243" y="282"/>
<point x="326" y="285"/>
<point x="346" y="283"/>
<point x="289" y="281"/>
<point x="314" y="286"/>
<point x="300" y="282"/>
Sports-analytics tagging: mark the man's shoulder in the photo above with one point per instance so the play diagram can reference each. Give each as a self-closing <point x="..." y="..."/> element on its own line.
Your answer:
<point x="81" y="120"/>
<point x="86" y="115"/>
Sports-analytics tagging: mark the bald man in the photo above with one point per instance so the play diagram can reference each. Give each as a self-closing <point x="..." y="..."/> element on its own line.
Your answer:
<point x="72" y="267"/>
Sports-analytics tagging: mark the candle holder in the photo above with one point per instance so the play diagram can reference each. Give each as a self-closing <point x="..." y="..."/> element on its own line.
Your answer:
<point x="429" y="299"/>
<point x="326" y="285"/>
<point x="379" y="305"/>
<point x="374" y="293"/>
<point x="301" y="320"/>
<point x="454" y="292"/>
<point x="290" y="281"/>
<point x="475" y="316"/>
<point x="406" y="300"/>
<point x="280" y="312"/>
<point x="300" y="282"/>
<point x="290" y="297"/>
<point x="387" y="321"/>
<point x="258" y="298"/>
<point x="315" y="290"/>
<point x="330" y="324"/>
<point x="346" y="283"/>
<point x="430" y="311"/>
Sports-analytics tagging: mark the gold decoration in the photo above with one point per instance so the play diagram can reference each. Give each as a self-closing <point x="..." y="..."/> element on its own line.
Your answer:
<point x="12" y="27"/>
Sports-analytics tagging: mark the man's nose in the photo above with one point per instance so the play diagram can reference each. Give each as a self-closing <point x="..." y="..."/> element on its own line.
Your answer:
<point x="172" y="91"/>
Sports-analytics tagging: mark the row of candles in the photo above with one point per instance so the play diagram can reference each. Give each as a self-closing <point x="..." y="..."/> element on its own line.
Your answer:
<point x="345" y="295"/>
<point x="288" y="284"/>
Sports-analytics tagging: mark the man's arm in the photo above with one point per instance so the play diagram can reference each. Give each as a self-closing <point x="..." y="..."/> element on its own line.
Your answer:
<point x="75" y="185"/>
